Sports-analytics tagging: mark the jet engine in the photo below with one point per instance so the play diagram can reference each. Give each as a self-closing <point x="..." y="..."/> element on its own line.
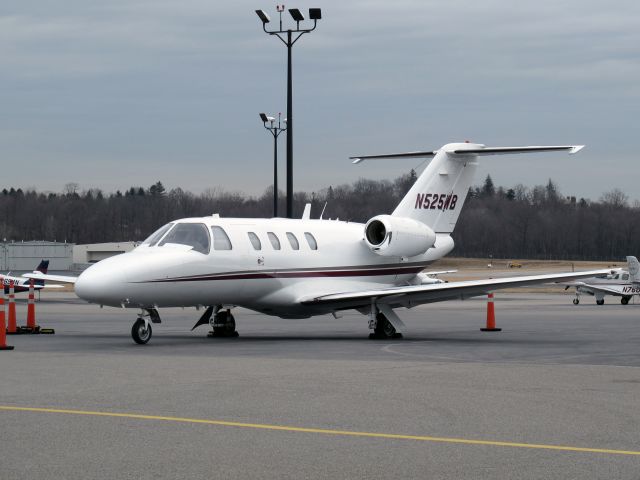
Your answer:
<point x="397" y="236"/>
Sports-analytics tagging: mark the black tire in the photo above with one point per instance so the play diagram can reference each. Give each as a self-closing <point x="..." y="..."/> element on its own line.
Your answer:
<point x="140" y="332"/>
<point x="228" y="322"/>
<point x="384" y="328"/>
<point x="576" y="301"/>
<point x="600" y="302"/>
<point x="624" y="300"/>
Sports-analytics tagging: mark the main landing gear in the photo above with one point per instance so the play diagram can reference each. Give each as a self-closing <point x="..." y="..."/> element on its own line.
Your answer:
<point x="625" y="300"/>
<point x="141" y="330"/>
<point x="224" y="325"/>
<point x="221" y="321"/>
<point x="385" y="325"/>
<point x="600" y="301"/>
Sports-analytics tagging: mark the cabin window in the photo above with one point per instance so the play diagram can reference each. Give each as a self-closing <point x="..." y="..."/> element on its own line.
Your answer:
<point x="275" y="242"/>
<point x="255" y="241"/>
<point x="311" y="240"/>
<point x="625" y="276"/>
<point x="194" y="235"/>
<point x="157" y="235"/>
<point x="293" y="241"/>
<point x="220" y="239"/>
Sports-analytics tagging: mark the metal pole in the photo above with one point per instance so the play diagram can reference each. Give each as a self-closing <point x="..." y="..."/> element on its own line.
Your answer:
<point x="289" y="131"/>
<point x="275" y="175"/>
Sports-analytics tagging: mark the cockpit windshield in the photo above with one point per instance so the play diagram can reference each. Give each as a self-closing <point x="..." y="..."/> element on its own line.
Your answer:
<point x="157" y="235"/>
<point x="194" y="235"/>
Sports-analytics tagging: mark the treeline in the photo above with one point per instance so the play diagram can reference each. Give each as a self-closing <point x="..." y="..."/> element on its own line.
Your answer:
<point x="518" y="222"/>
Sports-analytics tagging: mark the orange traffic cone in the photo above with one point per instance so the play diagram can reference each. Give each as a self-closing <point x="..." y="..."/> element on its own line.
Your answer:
<point x="3" y="330"/>
<point x="31" y="326"/>
<point x="491" y="316"/>
<point x="12" y="328"/>
<point x="31" y="308"/>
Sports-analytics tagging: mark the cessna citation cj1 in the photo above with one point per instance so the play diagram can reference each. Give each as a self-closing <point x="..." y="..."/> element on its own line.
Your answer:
<point x="303" y="267"/>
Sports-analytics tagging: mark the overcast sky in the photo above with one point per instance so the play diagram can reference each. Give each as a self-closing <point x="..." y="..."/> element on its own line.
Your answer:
<point x="128" y="92"/>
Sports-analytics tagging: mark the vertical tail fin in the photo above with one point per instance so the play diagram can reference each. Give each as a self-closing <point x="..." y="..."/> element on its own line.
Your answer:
<point x="42" y="267"/>
<point x="634" y="269"/>
<point x="437" y="197"/>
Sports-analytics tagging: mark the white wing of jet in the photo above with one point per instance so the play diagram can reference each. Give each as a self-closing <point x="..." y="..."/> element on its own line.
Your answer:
<point x="52" y="278"/>
<point x="410" y="296"/>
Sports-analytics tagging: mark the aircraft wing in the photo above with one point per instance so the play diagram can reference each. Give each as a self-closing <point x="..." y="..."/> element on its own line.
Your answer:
<point x="52" y="278"/>
<point x="410" y="296"/>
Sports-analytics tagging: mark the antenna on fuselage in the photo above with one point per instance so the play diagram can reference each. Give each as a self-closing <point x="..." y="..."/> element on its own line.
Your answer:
<point x="323" y="209"/>
<point x="306" y="215"/>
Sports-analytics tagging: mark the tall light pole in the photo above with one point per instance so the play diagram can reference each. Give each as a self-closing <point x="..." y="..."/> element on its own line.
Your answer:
<point x="289" y="37"/>
<point x="275" y="131"/>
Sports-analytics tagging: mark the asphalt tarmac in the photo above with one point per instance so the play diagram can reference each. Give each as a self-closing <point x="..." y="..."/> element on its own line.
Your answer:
<point x="556" y="394"/>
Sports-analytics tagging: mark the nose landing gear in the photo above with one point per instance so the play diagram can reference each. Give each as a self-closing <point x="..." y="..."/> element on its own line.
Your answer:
<point x="141" y="330"/>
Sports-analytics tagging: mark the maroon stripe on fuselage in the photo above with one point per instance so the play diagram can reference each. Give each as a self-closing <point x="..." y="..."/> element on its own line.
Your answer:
<point x="293" y="274"/>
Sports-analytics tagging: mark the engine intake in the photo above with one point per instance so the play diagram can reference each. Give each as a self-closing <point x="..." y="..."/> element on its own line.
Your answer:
<point x="398" y="236"/>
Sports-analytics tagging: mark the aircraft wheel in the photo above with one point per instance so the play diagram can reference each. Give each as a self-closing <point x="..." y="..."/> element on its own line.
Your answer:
<point x="384" y="328"/>
<point x="624" y="300"/>
<point x="576" y="301"/>
<point x="141" y="332"/>
<point x="224" y="325"/>
<point x="600" y="302"/>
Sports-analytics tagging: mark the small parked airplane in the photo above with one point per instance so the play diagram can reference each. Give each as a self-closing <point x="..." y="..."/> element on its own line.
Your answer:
<point x="299" y="268"/>
<point x="21" y="284"/>
<point x="617" y="282"/>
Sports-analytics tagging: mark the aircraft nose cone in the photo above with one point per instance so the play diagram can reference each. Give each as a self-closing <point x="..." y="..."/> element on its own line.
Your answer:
<point x="103" y="283"/>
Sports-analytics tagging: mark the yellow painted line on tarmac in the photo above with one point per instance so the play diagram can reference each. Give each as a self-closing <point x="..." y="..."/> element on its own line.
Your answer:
<point x="321" y="431"/>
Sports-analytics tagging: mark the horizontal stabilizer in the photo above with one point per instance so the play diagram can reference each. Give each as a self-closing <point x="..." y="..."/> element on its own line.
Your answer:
<point x="475" y="149"/>
<point x="362" y="158"/>
<point x="510" y="150"/>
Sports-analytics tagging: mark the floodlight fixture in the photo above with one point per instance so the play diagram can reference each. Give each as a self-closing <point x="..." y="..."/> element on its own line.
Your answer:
<point x="289" y="36"/>
<point x="275" y="129"/>
<point x="263" y="16"/>
<point x="296" y="14"/>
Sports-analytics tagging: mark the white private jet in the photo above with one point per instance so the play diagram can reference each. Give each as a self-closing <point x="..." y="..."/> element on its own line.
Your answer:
<point x="298" y="268"/>
<point x="617" y="282"/>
